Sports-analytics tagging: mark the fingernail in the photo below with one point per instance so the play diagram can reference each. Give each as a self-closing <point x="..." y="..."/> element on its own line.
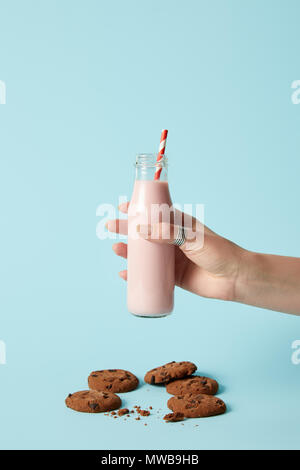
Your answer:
<point x="123" y="206"/>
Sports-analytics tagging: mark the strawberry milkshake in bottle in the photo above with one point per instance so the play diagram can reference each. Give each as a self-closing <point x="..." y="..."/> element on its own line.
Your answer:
<point x="151" y="265"/>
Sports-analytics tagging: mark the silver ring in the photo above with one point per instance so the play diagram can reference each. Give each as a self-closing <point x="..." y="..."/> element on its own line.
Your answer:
<point x="180" y="238"/>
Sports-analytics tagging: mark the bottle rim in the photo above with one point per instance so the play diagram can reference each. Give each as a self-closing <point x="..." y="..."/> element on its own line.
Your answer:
<point x="150" y="160"/>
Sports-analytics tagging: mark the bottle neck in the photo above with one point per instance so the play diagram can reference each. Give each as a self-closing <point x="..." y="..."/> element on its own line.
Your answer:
<point x="148" y="169"/>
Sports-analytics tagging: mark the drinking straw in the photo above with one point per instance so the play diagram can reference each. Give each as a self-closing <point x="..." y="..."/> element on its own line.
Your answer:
<point x="161" y="153"/>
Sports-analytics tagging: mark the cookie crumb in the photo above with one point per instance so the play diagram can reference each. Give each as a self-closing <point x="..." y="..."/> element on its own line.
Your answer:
<point x="174" y="417"/>
<point x="123" y="411"/>
<point x="144" y="412"/>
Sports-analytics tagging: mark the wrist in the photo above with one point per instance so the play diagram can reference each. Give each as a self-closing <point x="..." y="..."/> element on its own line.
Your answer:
<point x="250" y="275"/>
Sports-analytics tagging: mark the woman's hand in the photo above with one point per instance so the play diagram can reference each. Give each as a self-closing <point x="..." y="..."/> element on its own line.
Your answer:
<point x="209" y="269"/>
<point x="212" y="266"/>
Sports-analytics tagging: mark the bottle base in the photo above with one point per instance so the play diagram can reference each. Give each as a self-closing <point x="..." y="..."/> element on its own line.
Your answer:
<point x="149" y="315"/>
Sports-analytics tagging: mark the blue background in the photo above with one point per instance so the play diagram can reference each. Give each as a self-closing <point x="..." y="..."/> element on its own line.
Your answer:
<point x="89" y="85"/>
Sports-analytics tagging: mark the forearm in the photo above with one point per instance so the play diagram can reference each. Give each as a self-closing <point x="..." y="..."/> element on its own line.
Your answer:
<point x="269" y="281"/>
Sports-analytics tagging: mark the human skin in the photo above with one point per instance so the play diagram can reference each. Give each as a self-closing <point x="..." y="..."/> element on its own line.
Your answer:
<point x="217" y="268"/>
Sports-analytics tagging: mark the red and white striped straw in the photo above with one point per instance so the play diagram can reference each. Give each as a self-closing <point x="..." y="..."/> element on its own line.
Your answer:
<point x="161" y="153"/>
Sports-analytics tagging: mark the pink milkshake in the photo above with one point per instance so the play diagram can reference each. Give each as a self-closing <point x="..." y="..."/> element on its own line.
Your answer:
<point x="151" y="266"/>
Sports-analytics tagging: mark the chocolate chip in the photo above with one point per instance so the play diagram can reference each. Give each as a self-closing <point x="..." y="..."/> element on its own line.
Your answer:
<point x="167" y="378"/>
<point x="192" y="404"/>
<point x="152" y="380"/>
<point x="93" y="406"/>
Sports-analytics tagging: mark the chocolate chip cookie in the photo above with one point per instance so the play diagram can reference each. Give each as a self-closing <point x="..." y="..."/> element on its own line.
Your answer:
<point x="194" y="385"/>
<point x="170" y="371"/>
<point x="197" y="406"/>
<point x="91" y="401"/>
<point x="112" y="380"/>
